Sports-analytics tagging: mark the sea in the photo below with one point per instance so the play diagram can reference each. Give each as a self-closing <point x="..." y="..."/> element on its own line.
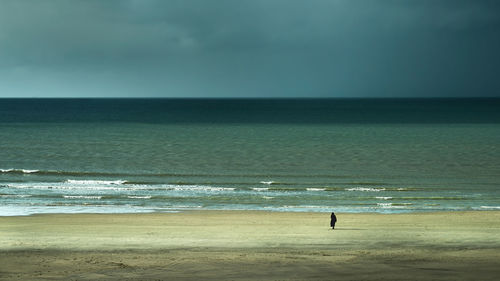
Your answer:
<point x="282" y="155"/>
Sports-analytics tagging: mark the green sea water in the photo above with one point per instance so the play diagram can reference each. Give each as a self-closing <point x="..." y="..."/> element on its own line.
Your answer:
<point x="278" y="155"/>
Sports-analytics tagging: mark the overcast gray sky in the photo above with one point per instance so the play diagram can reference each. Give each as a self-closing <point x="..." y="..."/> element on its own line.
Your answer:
<point x="254" y="48"/>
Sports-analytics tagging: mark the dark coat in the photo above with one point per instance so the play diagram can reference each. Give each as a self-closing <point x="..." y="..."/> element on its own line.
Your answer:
<point x="333" y="220"/>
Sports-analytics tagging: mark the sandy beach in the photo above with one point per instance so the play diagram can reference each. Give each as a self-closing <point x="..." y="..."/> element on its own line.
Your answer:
<point x="234" y="245"/>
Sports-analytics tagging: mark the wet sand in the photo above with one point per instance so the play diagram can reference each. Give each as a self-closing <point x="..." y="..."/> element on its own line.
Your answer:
<point x="247" y="245"/>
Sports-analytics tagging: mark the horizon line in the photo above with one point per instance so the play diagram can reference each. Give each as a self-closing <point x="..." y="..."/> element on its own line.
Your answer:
<point x="253" y="98"/>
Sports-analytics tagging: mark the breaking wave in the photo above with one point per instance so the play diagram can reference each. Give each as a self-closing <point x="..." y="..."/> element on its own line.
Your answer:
<point x="96" y="182"/>
<point x="315" y="189"/>
<point x="82" y="197"/>
<point x="117" y="185"/>
<point x="19" y="171"/>
<point x="139" y="197"/>
<point x="267" y="182"/>
<point x="367" y="189"/>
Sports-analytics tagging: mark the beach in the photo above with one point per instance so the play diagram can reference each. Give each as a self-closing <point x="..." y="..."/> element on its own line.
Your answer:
<point x="251" y="245"/>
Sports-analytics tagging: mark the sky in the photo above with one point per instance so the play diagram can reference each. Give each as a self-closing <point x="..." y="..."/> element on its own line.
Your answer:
<point x="249" y="48"/>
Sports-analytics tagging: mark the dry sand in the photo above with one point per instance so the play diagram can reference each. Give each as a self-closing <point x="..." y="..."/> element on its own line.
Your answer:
<point x="234" y="245"/>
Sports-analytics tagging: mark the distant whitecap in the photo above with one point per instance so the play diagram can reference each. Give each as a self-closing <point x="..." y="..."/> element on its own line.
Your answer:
<point x="267" y="182"/>
<point x="81" y="197"/>
<point x="369" y="189"/>
<point x="93" y="182"/>
<point x="139" y="197"/>
<point x="384" y="197"/>
<point x="23" y="171"/>
<point x="315" y="189"/>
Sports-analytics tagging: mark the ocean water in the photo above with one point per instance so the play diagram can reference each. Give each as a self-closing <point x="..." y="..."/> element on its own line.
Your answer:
<point x="321" y="155"/>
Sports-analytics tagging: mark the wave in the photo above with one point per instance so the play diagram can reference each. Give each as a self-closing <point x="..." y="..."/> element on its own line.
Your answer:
<point x="96" y="182"/>
<point x="168" y="174"/>
<point x="369" y="189"/>
<point x="393" y="205"/>
<point x="491" y="207"/>
<point x="198" y="188"/>
<point x="315" y="189"/>
<point x="65" y="186"/>
<point x="432" y="198"/>
<point x="60" y="173"/>
<point x="260" y="188"/>
<point x="87" y="173"/>
<point x="139" y="197"/>
<point x="114" y="186"/>
<point x="267" y="182"/>
<point x="15" y="195"/>
<point x="82" y="197"/>
<point x="19" y="171"/>
<point x="303" y="208"/>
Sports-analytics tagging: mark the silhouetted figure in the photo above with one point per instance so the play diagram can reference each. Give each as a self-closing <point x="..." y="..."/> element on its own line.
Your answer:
<point x="333" y="220"/>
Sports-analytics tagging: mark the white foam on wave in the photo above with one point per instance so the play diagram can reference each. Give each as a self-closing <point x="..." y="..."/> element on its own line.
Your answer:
<point x="384" y="205"/>
<point x="24" y="171"/>
<point x="366" y="189"/>
<point x="393" y="206"/>
<point x="315" y="189"/>
<point x="15" y="195"/>
<point x="260" y="188"/>
<point x="115" y="186"/>
<point x="267" y="197"/>
<point x="30" y="171"/>
<point x="267" y="182"/>
<point x="82" y="197"/>
<point x="139" y="197"/>
<point x="94" y="182"/>
<point x="72" y="186"/>
<point x="384" y="197"/>
<point x="302" y="208"/>
<point x="491" y="207"/>
<point x="198" y="188"/>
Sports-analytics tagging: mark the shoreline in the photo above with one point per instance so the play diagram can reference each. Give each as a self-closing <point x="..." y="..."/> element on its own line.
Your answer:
<point x="251" y="245"/>
<point x="417" y="212"/>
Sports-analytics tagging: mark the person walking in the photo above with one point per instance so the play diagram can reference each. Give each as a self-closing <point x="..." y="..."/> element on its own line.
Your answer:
<point x="333" y="220"/>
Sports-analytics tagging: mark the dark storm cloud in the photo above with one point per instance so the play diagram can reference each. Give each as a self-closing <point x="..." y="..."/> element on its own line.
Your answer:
<point x="249" y="48"/>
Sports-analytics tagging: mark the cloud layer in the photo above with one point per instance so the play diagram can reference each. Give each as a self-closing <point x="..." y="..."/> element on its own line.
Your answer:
<point x="258" y="48"/>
